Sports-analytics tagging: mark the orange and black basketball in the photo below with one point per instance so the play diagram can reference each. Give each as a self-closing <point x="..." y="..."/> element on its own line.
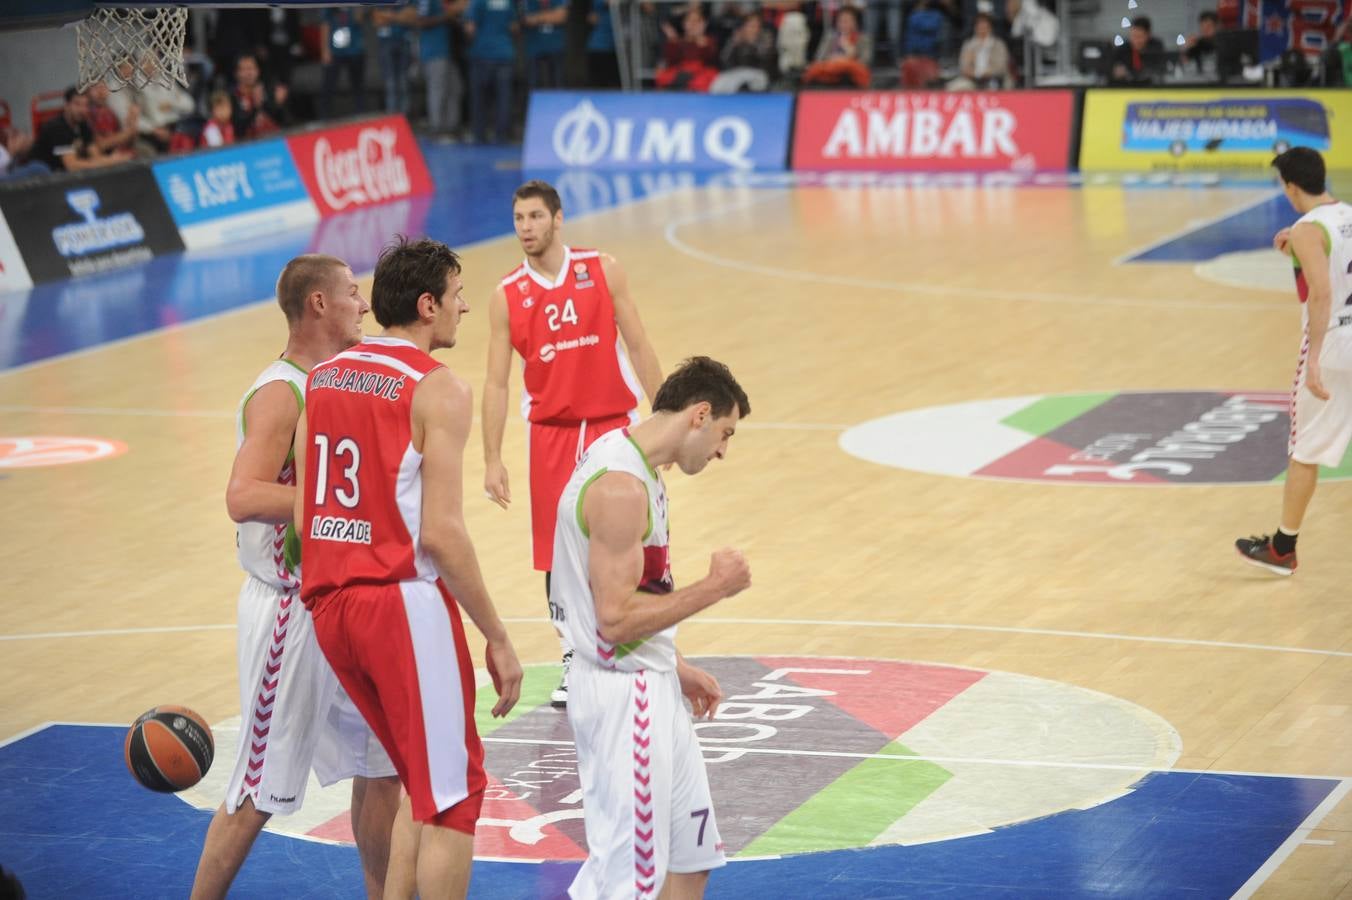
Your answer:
<point x="169" y="748"/>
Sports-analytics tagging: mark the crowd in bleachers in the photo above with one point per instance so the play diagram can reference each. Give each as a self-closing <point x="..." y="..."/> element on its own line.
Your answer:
<point x="462" y="69"/>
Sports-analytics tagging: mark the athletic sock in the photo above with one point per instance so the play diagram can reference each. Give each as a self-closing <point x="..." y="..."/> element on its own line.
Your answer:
<point x="1284" y="542"/>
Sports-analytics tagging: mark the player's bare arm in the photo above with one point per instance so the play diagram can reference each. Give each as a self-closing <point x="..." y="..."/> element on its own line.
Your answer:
<point x="253" y="494"/>
<point x="1307" y="244"/>
<point x="298" y="496"/>
<point x="1281" y="241"/>
<point x="615" y="511"/>
<point x="636" y="342"/>
<point x="443" y="407"/>
<point x="699" y="687"/>
<point x="494" y="412"/>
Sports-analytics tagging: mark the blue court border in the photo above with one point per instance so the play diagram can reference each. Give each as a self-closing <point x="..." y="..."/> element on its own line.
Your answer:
<point x="77" y="824"/>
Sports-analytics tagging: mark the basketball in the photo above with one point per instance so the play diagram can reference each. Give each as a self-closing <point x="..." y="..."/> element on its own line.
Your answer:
<point x="169" y="748"/>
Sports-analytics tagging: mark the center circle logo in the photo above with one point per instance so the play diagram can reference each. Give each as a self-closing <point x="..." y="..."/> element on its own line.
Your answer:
<point x="1122" y="438"/>
<point x="810" y="754"/>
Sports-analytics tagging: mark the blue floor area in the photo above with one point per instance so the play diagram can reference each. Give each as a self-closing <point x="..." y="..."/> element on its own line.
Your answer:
<point x="77" y="825"/>
<point x="472" y="203"/>
<point x="1247" y="229"/>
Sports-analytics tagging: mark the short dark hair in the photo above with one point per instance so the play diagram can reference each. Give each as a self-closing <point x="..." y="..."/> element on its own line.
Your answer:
<point x="1143" y="23"/>
<point x="541" y="189"/>
<point x="1209" y="16"/>
<point x="72" y="92"/>
<point x="701" y="379"/>
<point x="1303" y="167"/>
<point x="405" y="271"/>
<point x="302" y="277"/>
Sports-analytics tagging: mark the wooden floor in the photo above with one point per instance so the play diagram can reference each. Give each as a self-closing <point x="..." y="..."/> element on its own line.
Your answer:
<point x="833" y="307"/>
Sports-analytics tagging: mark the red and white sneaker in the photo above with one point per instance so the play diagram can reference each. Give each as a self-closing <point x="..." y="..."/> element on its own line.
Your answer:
<point x="1258" y="551"/>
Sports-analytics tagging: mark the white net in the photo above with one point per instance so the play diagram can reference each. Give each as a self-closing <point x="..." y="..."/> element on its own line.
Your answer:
<point x="132" y="47"/>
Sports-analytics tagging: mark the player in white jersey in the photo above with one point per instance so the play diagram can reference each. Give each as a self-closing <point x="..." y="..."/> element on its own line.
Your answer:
<point x="1320" y="245"/>
<point x="645" y="792"/>
<point x="294" y="714"/>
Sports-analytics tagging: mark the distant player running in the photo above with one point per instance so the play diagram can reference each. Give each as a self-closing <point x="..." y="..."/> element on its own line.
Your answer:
<point x="564" y="311"/>
<point x="1320" y="245"/>
<point x="294" y="713"/>
<point x="645" y="792"/>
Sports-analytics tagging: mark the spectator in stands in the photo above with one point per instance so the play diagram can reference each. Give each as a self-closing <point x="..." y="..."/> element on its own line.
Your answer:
<point x="110" y="131"/>
<point x="603" y="64"/>
<point x="544" y="22"/>
<point x="1338" y="57"/>
<point x="922" y="41"/>
<point x="492" y="58"/>
<point x="162" y="107"/>
<point x="66" y="142"/>
<point x="342" y="48"/>
<point x="984" y="60"/>
<point x="219" y="131"/>
<point x="1200" y="48"/>
<point x="392" y="42"/>
<point x="16" y="148"/>
<point x="843" y="54"/>
<point x="445" y="85"/>
<point x="1132" y="62"/>
<point x="749" y="58"/>
<point x="258" y="110"/>
<point x="690" y="58"/>
<point x="1029" y="21"/>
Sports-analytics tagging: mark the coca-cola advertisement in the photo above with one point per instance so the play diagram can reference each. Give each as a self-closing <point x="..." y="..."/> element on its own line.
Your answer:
<point x="925" y="131"/>
<point x="352" y="166"/>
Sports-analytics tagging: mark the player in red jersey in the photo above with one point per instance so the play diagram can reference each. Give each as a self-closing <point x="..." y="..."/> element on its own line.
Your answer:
<point x="380" y="453"/>
<point x="564" y="311"/>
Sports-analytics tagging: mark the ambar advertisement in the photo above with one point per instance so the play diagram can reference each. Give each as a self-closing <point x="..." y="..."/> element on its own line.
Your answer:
<point x="1127" y="131"/>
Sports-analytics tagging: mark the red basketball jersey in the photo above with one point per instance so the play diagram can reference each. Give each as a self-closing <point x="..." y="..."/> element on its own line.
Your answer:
<point x="363" y="479"/>
<point x="565" y="331"/>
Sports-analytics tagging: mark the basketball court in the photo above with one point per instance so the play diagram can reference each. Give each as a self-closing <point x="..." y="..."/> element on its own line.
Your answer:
<point x="999" y="644"/>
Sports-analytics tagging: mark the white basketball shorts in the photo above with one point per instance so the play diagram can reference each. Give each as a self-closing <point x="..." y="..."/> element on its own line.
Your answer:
<point x="645" y="792"/>
<point x="295" y="715"/>
<point x="1322" y="429"/>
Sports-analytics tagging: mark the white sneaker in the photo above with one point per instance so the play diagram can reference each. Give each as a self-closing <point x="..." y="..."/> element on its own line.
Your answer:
<point x="559" y="698"/>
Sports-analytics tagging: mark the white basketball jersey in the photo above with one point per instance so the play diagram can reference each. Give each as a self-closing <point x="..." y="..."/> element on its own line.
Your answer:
<point x="1335" y="220"/>
<point x="570" y="585"/>
<point x="271" y="553"/>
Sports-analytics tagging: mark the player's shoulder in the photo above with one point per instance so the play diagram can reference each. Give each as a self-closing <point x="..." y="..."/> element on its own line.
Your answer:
<point x="517" y="274"/>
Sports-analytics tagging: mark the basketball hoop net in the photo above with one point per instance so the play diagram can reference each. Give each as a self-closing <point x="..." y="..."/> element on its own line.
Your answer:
<point x="133" y="47"/>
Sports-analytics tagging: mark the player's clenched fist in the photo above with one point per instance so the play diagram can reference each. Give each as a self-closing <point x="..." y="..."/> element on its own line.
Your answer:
<point x="730" y="571"/>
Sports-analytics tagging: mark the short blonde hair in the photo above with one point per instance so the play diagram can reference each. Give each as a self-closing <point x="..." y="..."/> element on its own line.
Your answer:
<point x="302" y="277"/>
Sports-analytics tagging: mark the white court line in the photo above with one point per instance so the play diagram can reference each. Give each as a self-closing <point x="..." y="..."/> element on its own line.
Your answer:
<point x="956" y="760"/>
<point x="112" y="632"/>
<point x="1319" y="843"/>
<point x="1081" y="300"/>
<point x="812" y="623"/>
<point x="227" y="414"/>
<point x="1196" y="225"/>
<point x="1297" y="837"/>
<point x="29" y="732"/>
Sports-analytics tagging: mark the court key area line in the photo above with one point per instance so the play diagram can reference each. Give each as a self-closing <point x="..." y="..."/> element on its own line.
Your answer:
<point x="670" y="233"/>
<point x="811" y="623"/>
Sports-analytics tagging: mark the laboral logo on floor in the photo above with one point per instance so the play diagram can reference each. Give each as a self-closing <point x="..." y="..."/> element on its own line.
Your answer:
<point x="1127" y="438"/>
<point x="809" y="754"/>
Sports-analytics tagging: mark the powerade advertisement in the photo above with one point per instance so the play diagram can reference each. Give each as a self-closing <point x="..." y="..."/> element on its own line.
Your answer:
<point x="697" y="132"/>
<point x="82" y="226"/>
<point x="236" y="194"/>
<point x="1171" y="130"/>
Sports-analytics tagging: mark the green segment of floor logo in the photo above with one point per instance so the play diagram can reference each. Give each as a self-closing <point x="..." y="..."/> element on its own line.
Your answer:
<point x="539" y="682"/>
<point x="1050" y="413"/>
<point x="854" y="809"/>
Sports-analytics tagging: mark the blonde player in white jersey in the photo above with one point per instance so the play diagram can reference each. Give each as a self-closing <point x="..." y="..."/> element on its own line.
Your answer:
<point x="294" y="714"/>
<point x="1320" y="245"/>
<point x="645" y="793"/>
